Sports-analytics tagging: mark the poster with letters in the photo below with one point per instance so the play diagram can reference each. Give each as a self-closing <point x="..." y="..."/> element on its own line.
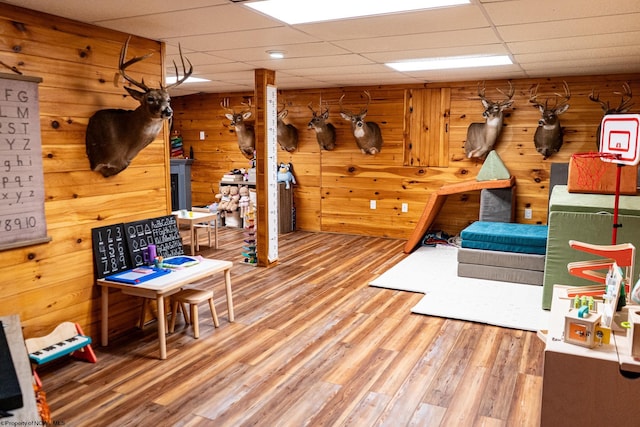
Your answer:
<point x="22" y="218"/>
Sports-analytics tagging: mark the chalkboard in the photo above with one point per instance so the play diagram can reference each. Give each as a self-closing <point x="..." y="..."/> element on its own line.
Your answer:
<point x="122" y="247"/>
<point x="167" y="236"/>
<point x="139" y="236"/>
<point x="110" y="250"/>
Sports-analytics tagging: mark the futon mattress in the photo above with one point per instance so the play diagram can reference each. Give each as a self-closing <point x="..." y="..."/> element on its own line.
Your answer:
<point x="506" y="237"/>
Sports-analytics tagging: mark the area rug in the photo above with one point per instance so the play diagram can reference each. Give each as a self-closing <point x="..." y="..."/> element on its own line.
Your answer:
<point x="433" y="272"/>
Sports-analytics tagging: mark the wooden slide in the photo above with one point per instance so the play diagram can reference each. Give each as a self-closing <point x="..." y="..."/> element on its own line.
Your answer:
<point x="437" y="199"/>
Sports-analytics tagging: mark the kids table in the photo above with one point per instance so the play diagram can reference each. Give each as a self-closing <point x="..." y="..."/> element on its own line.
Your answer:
<point x="163" y="286"/>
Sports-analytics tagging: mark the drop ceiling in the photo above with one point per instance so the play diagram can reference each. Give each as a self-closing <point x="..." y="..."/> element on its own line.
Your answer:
<point x="226" y="41"/>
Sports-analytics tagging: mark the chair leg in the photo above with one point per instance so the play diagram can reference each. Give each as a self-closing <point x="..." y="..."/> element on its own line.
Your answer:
<point x="194" y="320"/>
<point x="216" y="323"/>
<point x="185" y="313"/>
<point x="174" y="314"/>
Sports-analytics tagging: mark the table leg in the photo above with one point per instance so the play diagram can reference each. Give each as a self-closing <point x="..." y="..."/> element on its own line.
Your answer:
<point x="227" y="283"/>
<point x="104" y="300"/>
<point x="162" y="317"/>
<point x="193" y="252"/>
<point x="215" y="232"/>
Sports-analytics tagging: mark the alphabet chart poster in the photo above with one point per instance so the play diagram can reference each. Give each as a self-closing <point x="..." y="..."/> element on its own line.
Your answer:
<point x="22" y="219"/>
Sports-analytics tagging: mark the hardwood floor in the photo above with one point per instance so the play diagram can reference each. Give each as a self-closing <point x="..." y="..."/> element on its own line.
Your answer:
<point x="312" y="345"/>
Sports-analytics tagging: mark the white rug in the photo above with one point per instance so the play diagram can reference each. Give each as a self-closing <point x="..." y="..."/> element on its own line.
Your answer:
<point x="433" y="271"/>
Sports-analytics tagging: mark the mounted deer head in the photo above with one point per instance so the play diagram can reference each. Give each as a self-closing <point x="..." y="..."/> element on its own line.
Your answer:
<point x="481" y="137"/>
<point x="624" y="106"/>
<point x="287" y="133"/>
<point x="244" y="131"/>
<point x="325" y="132"/>
<point x="367" y="134"/>
<point x="114" y="136"/>
<point x="548" y="136"/>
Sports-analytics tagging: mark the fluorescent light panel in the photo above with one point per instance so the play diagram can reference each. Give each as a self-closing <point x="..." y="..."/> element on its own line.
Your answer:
<point x="450" y="63"/>
<point x="173" y="79"/>
<point x="298" y="11"/>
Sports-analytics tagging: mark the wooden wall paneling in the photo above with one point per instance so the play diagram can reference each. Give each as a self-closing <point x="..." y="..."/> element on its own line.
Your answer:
<point x="334" y="188"/>
<point x="50" y="283"/>
<point x="414" y="139"/>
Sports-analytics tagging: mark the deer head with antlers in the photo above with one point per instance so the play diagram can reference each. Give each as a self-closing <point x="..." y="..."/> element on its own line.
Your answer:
<point x="325" y="131"/>
<point x="367" y="134"/>
<point x="624" y="106"/>
<point x="244" y="131"/>
<point x="114" y="136"/>
<point x="287" y="133"/>
<point x="549" y="135"/>
<point x="482" y="137"/>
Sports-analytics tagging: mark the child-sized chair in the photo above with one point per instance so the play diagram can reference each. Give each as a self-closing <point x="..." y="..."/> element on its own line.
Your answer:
<point x="193" y="297"/>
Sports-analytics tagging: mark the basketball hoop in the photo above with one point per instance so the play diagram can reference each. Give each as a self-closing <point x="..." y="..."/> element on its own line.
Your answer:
<point x="590" y="168"/>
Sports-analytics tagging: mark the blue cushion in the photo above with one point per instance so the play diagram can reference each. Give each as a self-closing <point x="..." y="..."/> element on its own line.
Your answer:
<point x="505" y="236"/>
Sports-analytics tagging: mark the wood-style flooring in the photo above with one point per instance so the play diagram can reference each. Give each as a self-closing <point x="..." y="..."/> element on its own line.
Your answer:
<point x="312" y="345"/>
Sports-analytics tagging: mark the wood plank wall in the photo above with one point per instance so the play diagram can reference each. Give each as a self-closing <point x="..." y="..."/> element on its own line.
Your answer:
<point x="54" y="282"/>
<point x="335" y="187"/>
<point x="50" y="283"/>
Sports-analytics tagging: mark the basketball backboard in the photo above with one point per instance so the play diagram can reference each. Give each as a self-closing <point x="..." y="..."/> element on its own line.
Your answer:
<point x="619" y="138"/>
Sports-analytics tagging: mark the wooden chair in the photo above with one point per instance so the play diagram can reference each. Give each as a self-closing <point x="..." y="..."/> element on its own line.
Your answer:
<point x="193" y="297"/>
<point x="205" y="225"/>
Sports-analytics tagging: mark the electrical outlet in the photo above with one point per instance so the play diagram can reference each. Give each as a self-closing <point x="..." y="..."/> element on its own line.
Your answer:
<point x="528" y="214"/>
<point x="405" y="207"/>
<point x="201" y="135"/>
<point x="372" y="204"/>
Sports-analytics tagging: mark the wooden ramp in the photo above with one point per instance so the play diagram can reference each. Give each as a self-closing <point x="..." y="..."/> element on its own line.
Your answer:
<point x="437" y="199"/>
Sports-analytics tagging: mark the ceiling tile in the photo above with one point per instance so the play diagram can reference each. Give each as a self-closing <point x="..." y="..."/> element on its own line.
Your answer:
<point x="187" y="22"/>
<point x="524" y="11"/>
<point x="570" y="28"/>
<point x="421" y="41"/>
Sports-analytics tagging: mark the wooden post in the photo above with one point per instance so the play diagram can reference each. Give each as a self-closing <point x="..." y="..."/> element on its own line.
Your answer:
<point x="263" y="78"/>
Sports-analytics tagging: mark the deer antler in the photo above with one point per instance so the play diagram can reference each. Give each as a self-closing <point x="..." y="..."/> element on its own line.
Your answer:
<point x="326" y="110"/>
<point x="533" y="95"/>
<point x="247" y="104"/>
<point x="566" y="96"/>
<point x="310" y="107"/>
<point x="481" y="90"/>
<point x="342" y="110"/>
<point x="140" y="84"/>
<point x="509" y="96"/>
<point x="625" y="100"/>
<point x="595" y="97"/>
<point x="225" y="105"/>
<point x="186" y="75"/>
<point x="364" y="110"/>
<point x="123" y="66"/>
